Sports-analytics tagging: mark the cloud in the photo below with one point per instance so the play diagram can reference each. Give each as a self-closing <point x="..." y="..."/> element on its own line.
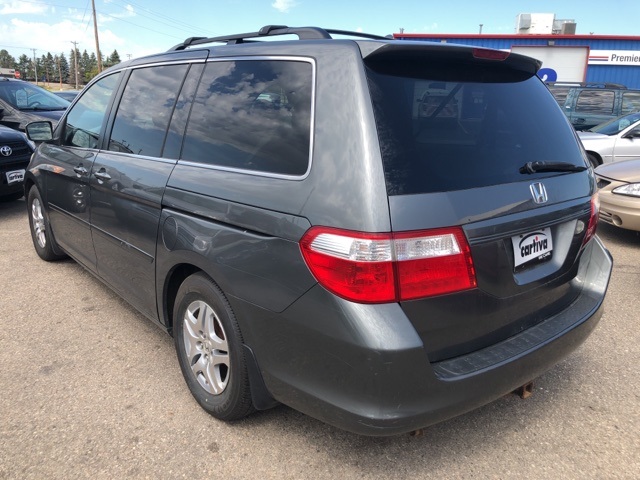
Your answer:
<point x="284" y="5"/>
<point x="56" y="38"/>
<point x="14" y="7"/>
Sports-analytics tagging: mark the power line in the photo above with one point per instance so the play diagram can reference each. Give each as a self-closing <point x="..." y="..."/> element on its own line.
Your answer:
<point x="173" y="21"/>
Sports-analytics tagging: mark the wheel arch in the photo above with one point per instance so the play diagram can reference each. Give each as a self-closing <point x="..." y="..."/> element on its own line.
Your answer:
<point x="178" y="274"/>
<point x="596" y="156"/>
<point x="261" y="397"/>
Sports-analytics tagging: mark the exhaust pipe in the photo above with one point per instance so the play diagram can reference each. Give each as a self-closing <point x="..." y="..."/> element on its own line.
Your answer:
<point x="525" y="391"/>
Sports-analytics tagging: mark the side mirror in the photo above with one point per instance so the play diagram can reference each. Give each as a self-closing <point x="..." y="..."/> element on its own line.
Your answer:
<point x="41" y="131"/>
<point x="635" y="133"/>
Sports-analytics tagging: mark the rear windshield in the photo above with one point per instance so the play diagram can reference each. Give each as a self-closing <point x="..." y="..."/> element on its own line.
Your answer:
<point x="441" y="132"/>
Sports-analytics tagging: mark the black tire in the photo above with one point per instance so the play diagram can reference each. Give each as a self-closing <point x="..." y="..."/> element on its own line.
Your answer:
<point x="594" y="160"/>
<point x="43" y="240"/>
<point x="209" y="347"/>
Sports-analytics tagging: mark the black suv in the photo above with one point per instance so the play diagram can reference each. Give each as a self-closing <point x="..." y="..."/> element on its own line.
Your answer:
<point x="15" y="153"/>
<point x="22" y="102"/>
<point x="311" y="235"/>
<point x="589" y="104"/>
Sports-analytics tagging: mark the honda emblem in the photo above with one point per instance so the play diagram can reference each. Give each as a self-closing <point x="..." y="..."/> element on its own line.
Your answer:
<point x="538" y="192"/>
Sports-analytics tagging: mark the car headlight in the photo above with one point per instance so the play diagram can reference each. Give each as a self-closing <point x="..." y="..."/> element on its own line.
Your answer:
<point x="631" y="189"/>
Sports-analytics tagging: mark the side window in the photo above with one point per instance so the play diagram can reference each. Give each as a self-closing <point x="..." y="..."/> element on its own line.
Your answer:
<point x="252" y="115"/>
<point x="630" y="102"/>
<point x="595" y="101"/>
<point x="145" y="110"/>
<point x="560" y="94"/>
<point x="85" y="118"/>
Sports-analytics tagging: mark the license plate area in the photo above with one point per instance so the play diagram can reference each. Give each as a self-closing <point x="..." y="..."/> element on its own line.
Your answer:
<point x="15" y="176"/>
<point x="532" y="248"/>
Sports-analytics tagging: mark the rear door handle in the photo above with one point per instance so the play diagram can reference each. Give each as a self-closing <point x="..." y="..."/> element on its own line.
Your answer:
<point x="102" y="175"/>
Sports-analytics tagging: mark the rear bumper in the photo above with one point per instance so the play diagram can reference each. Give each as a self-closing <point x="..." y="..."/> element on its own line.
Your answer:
<point x="364" y="369"/>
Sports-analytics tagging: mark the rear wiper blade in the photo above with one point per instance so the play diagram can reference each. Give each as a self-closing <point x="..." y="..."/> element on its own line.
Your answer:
<point x="533" y="167"/>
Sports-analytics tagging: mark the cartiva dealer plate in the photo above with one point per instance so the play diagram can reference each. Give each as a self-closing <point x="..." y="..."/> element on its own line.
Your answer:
<point x="532" y="246"/>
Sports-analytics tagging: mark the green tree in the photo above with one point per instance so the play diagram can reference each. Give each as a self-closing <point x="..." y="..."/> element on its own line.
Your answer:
<point x="62" y="68"/>
<point x="46" y="68"/>
<point x="6" y="60"/>
<point x="25" y="67"/>
<point x="74" y="59"/>
<point x="114" y="58"/>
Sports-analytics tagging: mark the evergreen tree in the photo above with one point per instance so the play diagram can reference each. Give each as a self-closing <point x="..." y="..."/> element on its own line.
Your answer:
<point x="6" y="60"/>
<point x="85" y="67"/>
<point x="25" y="67"/>
<point x="62" y="68"/>
<point x="46" y="69"/>
<point x="114" y="58"/>
<point x="39" y="68"/>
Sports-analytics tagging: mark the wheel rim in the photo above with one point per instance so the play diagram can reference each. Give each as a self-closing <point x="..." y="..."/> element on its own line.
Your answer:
<point x="37" y="219"/>
<point x="206" y="347"/>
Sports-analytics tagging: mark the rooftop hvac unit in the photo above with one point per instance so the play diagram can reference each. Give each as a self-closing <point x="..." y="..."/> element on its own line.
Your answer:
<point x="534" y="23"/>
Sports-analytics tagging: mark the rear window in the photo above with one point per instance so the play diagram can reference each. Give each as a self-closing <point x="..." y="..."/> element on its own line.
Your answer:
<point x="442" y="131"/>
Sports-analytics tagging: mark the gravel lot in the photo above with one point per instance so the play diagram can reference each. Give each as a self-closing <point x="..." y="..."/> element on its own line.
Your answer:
<point x="91" y="389"/>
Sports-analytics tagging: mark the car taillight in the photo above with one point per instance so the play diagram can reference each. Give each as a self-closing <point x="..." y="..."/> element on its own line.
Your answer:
<point x="381" y="268"/>
<point x="593" y="219"/>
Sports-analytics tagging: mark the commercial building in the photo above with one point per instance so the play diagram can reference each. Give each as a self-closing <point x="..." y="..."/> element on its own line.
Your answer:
<point x="566" y="56"/>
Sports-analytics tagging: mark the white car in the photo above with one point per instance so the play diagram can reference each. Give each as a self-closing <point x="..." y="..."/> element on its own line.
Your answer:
<point x="612" y="141"/>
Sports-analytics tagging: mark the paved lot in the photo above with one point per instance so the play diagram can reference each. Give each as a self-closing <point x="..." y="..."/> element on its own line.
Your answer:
<point x="91" y="389"/>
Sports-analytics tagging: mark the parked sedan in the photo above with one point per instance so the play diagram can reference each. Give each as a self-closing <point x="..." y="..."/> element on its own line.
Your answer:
<point x="619" y="193"/>
<point x="612" y="141"/>
<point x="22" y="102"/>
<point x="15" y="152"/>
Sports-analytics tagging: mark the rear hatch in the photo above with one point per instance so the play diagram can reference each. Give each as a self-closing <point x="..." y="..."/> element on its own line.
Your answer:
<point x="494" y="154"/>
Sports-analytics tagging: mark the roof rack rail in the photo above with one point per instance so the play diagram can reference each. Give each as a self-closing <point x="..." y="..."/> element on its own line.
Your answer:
<point x="303" y="33"/>
<point x="588" y="84"/>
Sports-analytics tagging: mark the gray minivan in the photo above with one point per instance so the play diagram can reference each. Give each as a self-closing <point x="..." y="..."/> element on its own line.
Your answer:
<point x="311" y="236"/>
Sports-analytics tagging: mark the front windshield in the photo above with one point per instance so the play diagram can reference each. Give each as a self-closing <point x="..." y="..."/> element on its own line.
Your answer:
<point x="615" y="126"/>
<point x="25" y="96"/>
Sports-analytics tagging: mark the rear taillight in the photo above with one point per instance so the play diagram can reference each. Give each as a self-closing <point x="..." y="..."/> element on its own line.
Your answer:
<point x="593" y="219"/>
<point x="381" y="268"/>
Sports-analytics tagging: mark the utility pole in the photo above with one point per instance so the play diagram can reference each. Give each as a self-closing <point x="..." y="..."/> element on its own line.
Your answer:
<point x="95" y="31"/>
<point x="75" y="60"/>
<point x="35" y="65"/>
<point x="59" y="71"/>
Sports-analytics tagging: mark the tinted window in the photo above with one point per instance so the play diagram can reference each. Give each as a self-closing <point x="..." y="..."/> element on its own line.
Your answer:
<point x="595" y="101"/>
<point x="145" y="110"/>
<point x="630" y="102"/>
<point x="173" y="142"/>
<point x="560" y="94"/>
<point x="84" y="120"/>
<point x="252" y="115"/>
<point x="446" y="129"/>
